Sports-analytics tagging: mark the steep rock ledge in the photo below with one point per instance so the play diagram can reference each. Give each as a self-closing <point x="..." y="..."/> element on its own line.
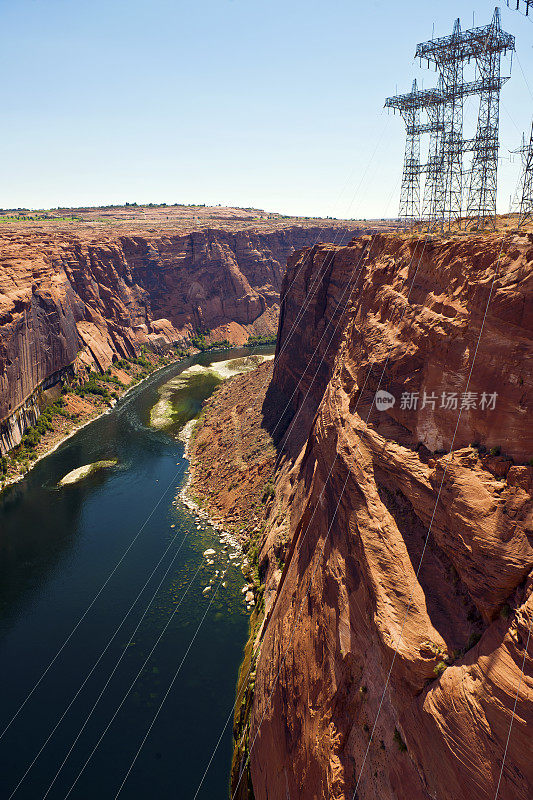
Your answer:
<point x="67" y="299"/>
<point x="353" y="617"/>
<point x="232" y="455"/>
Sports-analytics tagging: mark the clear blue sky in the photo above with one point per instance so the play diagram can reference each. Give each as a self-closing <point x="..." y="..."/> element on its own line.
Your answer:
<point x="269" y="103"/>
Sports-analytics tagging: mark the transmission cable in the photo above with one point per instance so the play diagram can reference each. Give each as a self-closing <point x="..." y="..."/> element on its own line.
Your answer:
<point x="79" y="622"/>
<point x="286" y="437"/>
<point x="125" y="696"/>
<point x="81" y="619"/>
<point x="428" y="533"/>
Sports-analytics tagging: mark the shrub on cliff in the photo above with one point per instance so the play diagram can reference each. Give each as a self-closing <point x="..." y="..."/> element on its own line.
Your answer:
<point x="200" y="342"/>
<point x="399" y="741"/>
<point x="33" y="435"/>
<point x="268" y="492"/>
<point x="92" y="387"/>
<point x="257" y="341"/>
<point x="439" y="668"/>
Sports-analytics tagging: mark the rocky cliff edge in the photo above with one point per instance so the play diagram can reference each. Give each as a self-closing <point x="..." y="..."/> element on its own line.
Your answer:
<point x="396" y="578"/>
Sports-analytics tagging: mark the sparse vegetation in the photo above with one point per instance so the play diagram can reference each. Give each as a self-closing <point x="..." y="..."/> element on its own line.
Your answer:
<point x="92" y="386"/>
<point x="402" y="747"/>
<point x="268" y="493"/>
<point x="258" y="341"/>
<point x="26" y="449"/>
<point x="107" y="377"/>
<point x="199" y="340"/>
<point x="439" y="668"/>
<point x="97" y="388"/>
<point x="505" y="611"/>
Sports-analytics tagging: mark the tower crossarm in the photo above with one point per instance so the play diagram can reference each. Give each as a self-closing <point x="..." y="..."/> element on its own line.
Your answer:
<point x="429" y="127"/>
<point x="464" y="45"/>
<point x="414" y="100"/>
<point x="492" y="84"/>
<point x="490" y="147"/>
<point x="432" y="97"/>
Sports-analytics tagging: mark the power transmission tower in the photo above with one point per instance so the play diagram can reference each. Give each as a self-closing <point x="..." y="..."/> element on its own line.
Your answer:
<point x="485" y="46"/>
<point x="526" y="203"/>
<point x="526" y="181"/>
<point x="443" y="109"/>
<point x="446" y="53"/>
<point x="484" y="172"/>
<point x="410" y="191"/>
<point x="527" y="3"/>
<point x="434" y="188"/>
<point x="410" y="105"/>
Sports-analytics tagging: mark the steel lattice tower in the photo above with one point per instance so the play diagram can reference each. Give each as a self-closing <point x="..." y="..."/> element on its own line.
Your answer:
<point x="528" y="4"/>
<point x="485" y="46"/>
<point x="410" y="191"/>
<point x="443" y="108"/>
<point x="446" y="54"/>
<point x="487" y="51"/>
<point x="410" y="105"/>
<point x="434" y="185"/>
<point x="526" y="203"/>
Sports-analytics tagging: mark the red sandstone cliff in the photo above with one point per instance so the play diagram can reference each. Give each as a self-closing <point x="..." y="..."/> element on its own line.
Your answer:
<point x="351" y="599"/>
<point x="97" y="296"/>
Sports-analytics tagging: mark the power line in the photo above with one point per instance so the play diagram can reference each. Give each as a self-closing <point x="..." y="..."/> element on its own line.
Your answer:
<point x="514" y="711"/>
<point x="179" y="667"/>
<point x="443" y="106"/>
<point x="302" y="310"/>
<point x="113" y="571"/>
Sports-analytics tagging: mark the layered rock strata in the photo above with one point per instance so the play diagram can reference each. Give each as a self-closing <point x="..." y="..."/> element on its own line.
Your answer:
<point x="69" y="299"/>
<point x="389" y="661"/>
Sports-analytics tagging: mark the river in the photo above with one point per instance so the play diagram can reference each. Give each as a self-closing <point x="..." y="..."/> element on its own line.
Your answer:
<point x="79" y="566"/>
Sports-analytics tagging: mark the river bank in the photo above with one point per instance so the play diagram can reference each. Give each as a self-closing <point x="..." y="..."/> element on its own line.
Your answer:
<point x="91" y="546"/>
<point x="231" y="478"/>
<point x="226" y="448"/>
<point x="232" y="457"/>
<point x="73" y="406"/>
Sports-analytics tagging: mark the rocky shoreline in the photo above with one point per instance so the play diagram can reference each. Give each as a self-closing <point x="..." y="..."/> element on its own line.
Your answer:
<point x="77" y="411"/>
<point x="233" y="463"/>
<point x="210" y="490"/>
<point x="335" y="536"/>
<point x="231" y="456"/>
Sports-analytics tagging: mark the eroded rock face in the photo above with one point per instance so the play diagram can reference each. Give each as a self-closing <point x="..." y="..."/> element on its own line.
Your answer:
<point x="406" y="597"/>
<point x="66" y="297"/>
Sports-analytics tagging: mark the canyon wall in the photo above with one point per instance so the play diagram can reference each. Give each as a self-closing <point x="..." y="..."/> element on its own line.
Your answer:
<point x="397" y="581"/>
<point x="76" y="298"/>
